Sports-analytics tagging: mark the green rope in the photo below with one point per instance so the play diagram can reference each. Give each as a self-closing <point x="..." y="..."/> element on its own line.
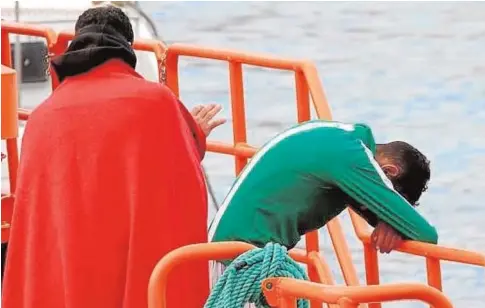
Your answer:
<point x="241" y="281"/>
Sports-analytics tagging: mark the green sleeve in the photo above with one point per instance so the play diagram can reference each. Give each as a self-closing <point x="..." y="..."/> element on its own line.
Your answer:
<point x="359" y="176"/>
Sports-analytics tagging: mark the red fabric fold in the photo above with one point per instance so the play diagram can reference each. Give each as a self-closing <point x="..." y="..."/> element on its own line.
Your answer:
<point x="109" y="182"/>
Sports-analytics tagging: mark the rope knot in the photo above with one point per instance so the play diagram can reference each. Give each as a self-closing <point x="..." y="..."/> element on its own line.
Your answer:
<point x="241" y="281"/>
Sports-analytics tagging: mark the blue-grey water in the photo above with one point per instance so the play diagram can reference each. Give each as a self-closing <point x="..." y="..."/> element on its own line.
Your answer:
<point x="412" y="70"/>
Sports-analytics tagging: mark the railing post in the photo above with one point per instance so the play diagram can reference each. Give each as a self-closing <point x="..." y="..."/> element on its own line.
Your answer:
<point x="13" y="163"/>
<point x="302" y="97"/>
<point x="238" y="110"/>
<point x="434" y="273"/>
<point x="171" y="70"/>
<point x="9" y="117"/>
<point x="371" y="269"/>
<point x="6" y="51"/>
<point x="10" y="135"/>
<point x="321" y="266"/>
<point x="342" y="252"/>
<point x="312" y="246"/>
<point x="323" y="272"/>
<point x="433" y="269"/>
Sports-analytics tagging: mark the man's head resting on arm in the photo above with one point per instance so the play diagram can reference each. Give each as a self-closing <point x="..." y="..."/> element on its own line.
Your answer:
<point x="406" y="167"/>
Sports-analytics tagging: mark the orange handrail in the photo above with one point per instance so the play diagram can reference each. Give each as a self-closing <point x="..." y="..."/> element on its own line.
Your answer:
<point x="30" y="30"/>
<point x="433" y="254"/>
<point x="429" y="250"/>
<point x="201" y="252"/>
<point x="282" y="292"/>
<point x="157" y="285"/>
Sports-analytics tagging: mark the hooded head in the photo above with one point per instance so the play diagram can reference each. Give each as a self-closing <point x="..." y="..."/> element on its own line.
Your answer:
<point x="102" y="33"/>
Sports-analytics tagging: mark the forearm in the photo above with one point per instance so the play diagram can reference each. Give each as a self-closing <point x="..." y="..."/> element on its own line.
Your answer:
<point x="364" y="182"/>
<point x="388" y="206"/>
<point x="367" y="215"/>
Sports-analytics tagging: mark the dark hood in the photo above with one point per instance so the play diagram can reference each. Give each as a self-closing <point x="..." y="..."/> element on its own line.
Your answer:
<point x="92" y="46"/>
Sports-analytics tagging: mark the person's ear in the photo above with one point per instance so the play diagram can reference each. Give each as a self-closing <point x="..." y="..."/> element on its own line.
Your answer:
<point x="391" y="170"/>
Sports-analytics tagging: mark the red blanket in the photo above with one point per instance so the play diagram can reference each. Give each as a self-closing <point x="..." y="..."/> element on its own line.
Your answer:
<point x="109" y="182"/>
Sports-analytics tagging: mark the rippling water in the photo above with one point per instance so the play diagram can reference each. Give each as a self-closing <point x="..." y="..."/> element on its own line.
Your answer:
<point x="413" y="71"/>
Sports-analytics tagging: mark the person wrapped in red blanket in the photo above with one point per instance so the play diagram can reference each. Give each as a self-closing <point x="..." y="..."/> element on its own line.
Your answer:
<point x="109" y="182"/>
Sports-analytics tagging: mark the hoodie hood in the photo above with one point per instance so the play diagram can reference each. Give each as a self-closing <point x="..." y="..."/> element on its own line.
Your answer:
<point x="92" y="46"/>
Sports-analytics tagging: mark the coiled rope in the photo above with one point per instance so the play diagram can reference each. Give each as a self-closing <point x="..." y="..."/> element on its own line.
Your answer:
<point x="241" y="281"/>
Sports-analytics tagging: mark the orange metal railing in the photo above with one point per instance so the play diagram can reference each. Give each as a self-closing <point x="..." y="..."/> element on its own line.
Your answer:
<point x="433" y="254"/>
<point x="283" y="292"/>
<point x="9" y="134"/>
<point x="306" y="82"/>
<point x="205" y="252"/>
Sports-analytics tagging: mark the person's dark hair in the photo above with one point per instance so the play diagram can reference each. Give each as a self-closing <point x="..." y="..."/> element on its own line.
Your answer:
<point x="415" y="171"/>
<point x="107" y="15"/>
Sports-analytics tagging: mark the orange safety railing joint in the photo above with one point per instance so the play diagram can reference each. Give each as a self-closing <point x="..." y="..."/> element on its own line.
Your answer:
<point x="282" y="288"/>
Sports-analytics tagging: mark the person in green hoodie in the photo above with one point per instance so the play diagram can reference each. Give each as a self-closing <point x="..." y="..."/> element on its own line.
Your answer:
<point x="310" y="173"/>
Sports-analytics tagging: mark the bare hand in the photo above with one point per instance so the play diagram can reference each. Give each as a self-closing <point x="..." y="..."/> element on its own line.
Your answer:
<point x="385" y="239"/>
<point x="204" y="115"/>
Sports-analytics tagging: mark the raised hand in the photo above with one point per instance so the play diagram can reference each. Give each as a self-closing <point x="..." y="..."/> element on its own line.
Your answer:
<point x="204" y="115"/>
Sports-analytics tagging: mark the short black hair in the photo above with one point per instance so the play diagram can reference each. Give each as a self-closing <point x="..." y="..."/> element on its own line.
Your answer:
<point x="415" y="171"/>
<point x="107" y="15"/>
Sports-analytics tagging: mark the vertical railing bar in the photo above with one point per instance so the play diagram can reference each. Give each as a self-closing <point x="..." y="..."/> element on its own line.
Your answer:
<point x="342" y="252"/>
<point x="371" y="269"/>
<point x="312" y="246"/>
<point x="302" y="97"/>
<point x="171" y="69"/>
<point x="13" y="163"/>
<point x="323" y="271"/>
<point x="6" y="51"/>
<point x="12" y="150"/>
<point x="433" y="269"/>
<point x="238" y="110"/>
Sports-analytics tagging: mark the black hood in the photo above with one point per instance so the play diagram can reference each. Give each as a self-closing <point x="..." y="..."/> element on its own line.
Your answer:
<point x="92" y="46"/>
